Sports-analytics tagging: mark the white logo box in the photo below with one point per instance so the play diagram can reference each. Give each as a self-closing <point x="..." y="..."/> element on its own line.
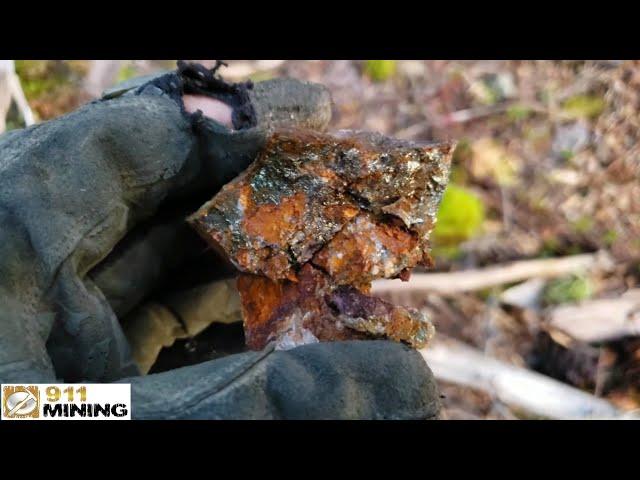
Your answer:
<point x="66" y="401"/>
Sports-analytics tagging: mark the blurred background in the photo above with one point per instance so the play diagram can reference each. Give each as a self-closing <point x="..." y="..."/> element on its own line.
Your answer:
<point x="546" y="174"/>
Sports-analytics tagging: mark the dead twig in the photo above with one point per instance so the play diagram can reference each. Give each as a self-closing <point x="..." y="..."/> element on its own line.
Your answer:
<point x="521" y="389"/>
<point x="476" y="113"/>
<point x="468" y="280"/>
<point x="599" y="320"/>
<point x="11" y="89"/>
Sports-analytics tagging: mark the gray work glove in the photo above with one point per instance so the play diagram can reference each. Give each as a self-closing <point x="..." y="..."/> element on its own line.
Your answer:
<point x="91" y="221"/>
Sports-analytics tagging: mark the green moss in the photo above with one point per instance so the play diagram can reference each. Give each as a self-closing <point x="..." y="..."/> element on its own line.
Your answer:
<point x="609" y="237"/>
<point x="583" y="106"/>
<point x="452" y="252"/>
<point x="566" y="154"/>
<point x="583" y="225"/>
<point x="51" y="86"/>
<point x="568" y="289"/>
<point x="550" y="247"/>
<point x="41" y="77"/>
<point x="126" y="72"/>
<point x="518" y="112"/>
<point x="380" y="70"/>
<point x="460" y="217"/>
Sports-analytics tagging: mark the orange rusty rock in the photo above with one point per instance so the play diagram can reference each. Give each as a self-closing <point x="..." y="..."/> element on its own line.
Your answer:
<point x="312" y="309"/>
<point x="289" y="311"/>
<point x="365" y="250"/>
<point x="317" y="214"/>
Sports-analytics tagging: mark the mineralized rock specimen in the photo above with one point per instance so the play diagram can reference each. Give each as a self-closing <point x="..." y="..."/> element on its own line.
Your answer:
<point x="314" y="220"/>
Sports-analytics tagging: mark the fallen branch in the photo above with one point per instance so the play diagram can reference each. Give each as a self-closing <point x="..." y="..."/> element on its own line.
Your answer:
<point x="522" y="389"/>
<point x="468" y="280"/>
<point x="10" y="88"/>
<point x="475" y="113"/>
<point x="599" y="320"/>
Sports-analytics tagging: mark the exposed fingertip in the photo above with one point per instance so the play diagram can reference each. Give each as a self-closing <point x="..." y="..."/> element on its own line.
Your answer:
<point x="210" y="107"/>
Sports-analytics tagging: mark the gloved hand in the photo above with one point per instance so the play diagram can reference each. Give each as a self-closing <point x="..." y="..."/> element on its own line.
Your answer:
<point x="92" y="209"/>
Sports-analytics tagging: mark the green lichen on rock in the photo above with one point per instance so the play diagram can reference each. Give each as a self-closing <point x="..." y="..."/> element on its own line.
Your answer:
<point x="380" y="70"/>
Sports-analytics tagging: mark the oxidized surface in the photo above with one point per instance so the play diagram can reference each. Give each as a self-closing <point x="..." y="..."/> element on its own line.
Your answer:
<point x="321" y="216"/>
<point x="314" y="309"/>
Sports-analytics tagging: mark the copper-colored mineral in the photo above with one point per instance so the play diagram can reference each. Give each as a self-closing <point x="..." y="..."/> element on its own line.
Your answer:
<point x="314" y="220"/>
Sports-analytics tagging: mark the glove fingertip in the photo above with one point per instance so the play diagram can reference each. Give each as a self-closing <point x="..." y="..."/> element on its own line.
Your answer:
<point x="286" y="101"/>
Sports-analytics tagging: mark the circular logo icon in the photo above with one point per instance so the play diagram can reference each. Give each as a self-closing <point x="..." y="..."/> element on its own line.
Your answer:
<point x="21" y="402"/>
